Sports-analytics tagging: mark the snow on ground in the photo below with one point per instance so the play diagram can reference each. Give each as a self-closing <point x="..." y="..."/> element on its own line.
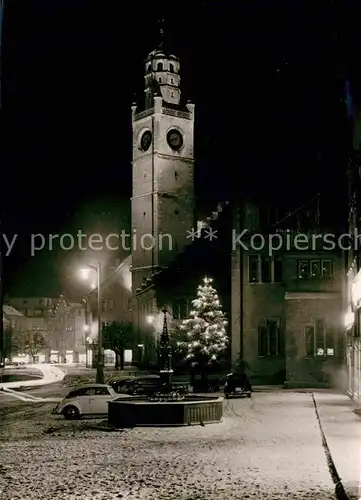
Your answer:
<point x="50" y="375"/>
<point x="268" y="447"/>
<point x="343" y="433"/>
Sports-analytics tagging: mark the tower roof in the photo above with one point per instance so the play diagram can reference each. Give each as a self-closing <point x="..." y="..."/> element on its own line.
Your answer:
<point x="160" y="54"/>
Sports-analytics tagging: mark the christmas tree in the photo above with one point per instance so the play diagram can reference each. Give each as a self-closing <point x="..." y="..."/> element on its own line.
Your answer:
<point x="206" y="327"/>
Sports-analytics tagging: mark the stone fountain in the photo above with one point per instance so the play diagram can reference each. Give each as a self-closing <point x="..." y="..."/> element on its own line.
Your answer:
<point x="167" y="406"/>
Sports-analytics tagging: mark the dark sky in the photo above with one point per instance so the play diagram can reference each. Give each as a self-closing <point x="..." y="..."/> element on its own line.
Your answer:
<point x="267" y="79"/>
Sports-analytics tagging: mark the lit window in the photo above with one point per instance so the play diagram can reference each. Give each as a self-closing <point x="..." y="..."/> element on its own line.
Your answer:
<point x="304" y="269"/>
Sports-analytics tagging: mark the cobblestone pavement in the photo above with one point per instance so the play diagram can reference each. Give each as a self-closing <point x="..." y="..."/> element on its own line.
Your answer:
<point x="267" y="447"/>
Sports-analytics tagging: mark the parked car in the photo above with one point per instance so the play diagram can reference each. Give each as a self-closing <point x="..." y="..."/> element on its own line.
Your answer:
<point x="237" y="384"/>
<point x="86" y="400"/>
<point x="144" y="385"/>
<point x="137" y="386"/>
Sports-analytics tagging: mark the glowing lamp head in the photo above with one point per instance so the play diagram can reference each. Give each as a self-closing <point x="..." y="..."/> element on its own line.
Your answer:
<point x="150" y="320"/>
<point x="85" y="273"/>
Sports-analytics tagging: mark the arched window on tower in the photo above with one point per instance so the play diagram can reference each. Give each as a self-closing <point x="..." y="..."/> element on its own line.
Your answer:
<point x="149" y="68"/>
<point x="160" y="66"/>
<point x="171" y="68"/>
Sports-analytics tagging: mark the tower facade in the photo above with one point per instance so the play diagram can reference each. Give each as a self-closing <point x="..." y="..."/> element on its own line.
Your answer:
<point x="163" y="169"/>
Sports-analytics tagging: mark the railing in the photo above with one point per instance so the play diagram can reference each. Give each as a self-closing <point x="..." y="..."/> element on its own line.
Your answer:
<point x="165" y="111"/>
<point x="143" y="114"/>
<point x="211" y="412"/>
<point x="177" y="113"/>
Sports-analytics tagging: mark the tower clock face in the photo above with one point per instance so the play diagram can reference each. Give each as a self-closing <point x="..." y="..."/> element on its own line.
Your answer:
<point x="175" y="139"/>
<point x="146" y="140"/>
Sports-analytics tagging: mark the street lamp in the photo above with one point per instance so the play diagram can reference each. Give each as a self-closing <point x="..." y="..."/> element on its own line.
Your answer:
<point x="150" y="320"/>
<point x="88" y="343"/>
<point x="100" y="361"/>
<point x="86" y="331"/>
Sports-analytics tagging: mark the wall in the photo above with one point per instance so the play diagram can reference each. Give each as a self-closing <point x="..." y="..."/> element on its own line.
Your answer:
<point x="262" y="301"/>
<point x="303" y="370"/>
<point x="306" y="300"/>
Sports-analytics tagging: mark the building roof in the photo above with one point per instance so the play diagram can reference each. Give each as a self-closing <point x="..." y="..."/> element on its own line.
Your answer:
<point x="127" y="262"/>
<point x="11" y="311"/>
<point x="160" y="54"/>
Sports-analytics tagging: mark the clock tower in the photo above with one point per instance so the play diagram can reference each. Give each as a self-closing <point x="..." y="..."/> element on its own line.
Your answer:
<point x="163" y="169"/>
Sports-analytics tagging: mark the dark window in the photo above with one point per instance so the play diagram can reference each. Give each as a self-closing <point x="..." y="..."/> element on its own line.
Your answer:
<point x="253" y="269"/>
<point x="160" y="66"/>
<point x="176" y="175"/>
<point x="101" y="391"/>
<point x="278" y="275"/>
<point x="273" y="337"/>
<point x="262" y="341"/>
<point x="320" y="337"/>
<point x="268" y="338"/>
<point x="319" y="340"/>
<point x="108" y="305"/>
<point x="149" y="69"/>
<point x="310" y="340"/>
<point x="326" y="269"/>
<point x="171" y="68"/>
<point x="85" y="391"/>
<point x="266" y="270"/>
<point x="176" y="211"/>
<point x="74" y="394"/>
<point x="304" y="269"/>
<point x="180" y="309"/>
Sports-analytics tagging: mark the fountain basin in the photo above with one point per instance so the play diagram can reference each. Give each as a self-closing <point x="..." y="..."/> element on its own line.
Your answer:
<point x="140" y="412"/>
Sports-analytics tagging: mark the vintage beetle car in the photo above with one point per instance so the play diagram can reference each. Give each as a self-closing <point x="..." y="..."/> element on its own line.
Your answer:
<point x="86" y="400"/>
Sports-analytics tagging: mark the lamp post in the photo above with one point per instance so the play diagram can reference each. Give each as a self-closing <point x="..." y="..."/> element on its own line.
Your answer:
<point x="100" y="360"/>
<point x="86" y="331"/>
<point x="165" y="353"/>
<point x="88" y="343"/>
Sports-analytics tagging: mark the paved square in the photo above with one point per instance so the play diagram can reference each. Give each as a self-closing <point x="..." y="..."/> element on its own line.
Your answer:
<point x="267" y="447"/>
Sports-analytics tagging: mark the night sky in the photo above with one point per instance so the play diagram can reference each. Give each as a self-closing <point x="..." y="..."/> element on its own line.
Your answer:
<point x="267" y="79"/>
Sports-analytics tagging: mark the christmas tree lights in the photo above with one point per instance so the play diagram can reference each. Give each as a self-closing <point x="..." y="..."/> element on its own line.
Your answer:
<point x="206" y="327"/>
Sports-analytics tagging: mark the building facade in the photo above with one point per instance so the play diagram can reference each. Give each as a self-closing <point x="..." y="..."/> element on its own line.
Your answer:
<point x="39" y="318"/>
<point x="352" y="302"/>
<point x="60" y="323"/>
<point x="162" y="203"/>
<point x="15" y="325"/>
<point x="286" y="305"/>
